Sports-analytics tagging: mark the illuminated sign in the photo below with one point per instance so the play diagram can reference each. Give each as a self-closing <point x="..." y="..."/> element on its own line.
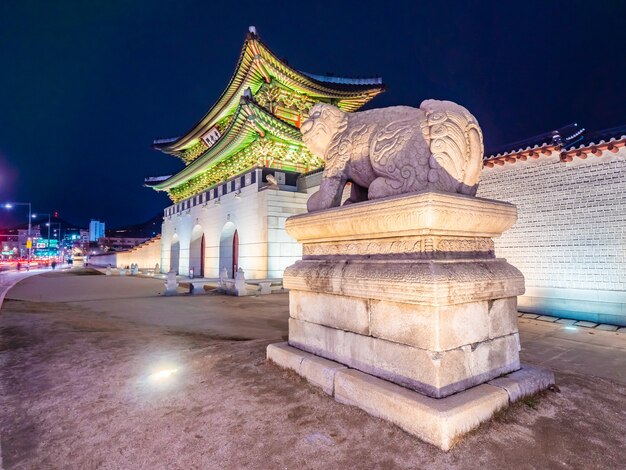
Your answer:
<point x="44" y="243"/>
<point x="211" y="137"/>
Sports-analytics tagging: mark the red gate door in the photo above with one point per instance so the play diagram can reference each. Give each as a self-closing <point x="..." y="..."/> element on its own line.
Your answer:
<point x="202" y="257"/>
<point x="235" y="253"/>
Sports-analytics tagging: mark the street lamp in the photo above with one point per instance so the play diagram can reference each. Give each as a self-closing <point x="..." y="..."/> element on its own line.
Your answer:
<point x="57" y="233"/>
<point x="9" y="205"/>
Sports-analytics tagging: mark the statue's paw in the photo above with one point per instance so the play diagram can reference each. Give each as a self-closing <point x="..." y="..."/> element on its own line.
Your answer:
<point x="315" y="203"/>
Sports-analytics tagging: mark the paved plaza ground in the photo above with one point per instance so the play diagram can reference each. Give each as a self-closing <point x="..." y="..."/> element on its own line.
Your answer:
<point x="78" y="354"/>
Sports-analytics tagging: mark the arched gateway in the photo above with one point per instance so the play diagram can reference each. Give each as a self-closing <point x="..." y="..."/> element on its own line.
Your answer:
<point x="196" y="252"/>
<point x="175" y="254"/>
<point x="229" y="249"/>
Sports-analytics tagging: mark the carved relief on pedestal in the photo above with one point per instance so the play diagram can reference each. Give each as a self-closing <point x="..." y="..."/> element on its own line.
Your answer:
<point x="405" y="247"/>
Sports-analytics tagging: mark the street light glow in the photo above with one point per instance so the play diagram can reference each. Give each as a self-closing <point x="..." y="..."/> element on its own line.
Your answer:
<point x="8" y="205"/>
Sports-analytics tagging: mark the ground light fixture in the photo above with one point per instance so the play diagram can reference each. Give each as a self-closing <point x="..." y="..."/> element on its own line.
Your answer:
<point x="163" y="374"/>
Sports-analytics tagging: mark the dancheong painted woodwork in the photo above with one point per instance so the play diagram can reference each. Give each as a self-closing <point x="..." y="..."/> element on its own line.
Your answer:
<point x="256" y="122"/>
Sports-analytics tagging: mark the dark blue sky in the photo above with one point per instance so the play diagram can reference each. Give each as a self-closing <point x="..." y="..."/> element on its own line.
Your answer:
<point x="85" y="86"/>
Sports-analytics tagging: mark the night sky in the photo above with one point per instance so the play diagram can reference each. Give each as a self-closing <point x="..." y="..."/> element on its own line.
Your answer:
<point x="85" y="86"/>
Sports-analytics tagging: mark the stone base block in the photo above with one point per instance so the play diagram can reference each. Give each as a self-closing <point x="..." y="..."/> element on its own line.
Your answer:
<point x="197" y="289"/>
<point x="441" y="422"/>
<point x="525" y="382"/>
<point x="437" y="374"/>
<point x="317" y="370"/>
<point x="265" y="288"/>
<point x="432" y="327"/>
<point x="286" y="356"/>
<point x="438" y="421"/>
<point x="408" y="281"/>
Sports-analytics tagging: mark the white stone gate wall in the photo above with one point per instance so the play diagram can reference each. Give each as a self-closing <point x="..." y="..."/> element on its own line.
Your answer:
<point x="248" y="214"/>
<point x="282" y="250"/>
<point x="570" y="237"/>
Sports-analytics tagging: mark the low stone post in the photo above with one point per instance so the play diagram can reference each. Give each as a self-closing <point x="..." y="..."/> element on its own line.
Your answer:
<point x="240" y="283"/>
<point x="197" y="288"/>
<point x="122" y="272"/>
<point x="222" y="281"/>
<point x="108" y="271"/>
<point x="171" y="285"/>
<point x="265" y="288"/>
<point x="157" y="269"/>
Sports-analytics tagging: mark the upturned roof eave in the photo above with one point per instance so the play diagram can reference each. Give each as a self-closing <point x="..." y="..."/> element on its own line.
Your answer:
<point x="236" y="134"/>
<point x="240" y="80"/>
<point x="176" y="145"/>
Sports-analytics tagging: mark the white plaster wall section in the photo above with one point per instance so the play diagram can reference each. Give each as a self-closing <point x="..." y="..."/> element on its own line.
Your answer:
<point x="196" y="252"/>
<point x="175" y="254"/>
<point x="184" y="229"/>
<point x="570" y="234"/>
<point x="282" y="250"/>
<point x="243" y="213"/>
<point x="210" y="219"/>
<point x="167" y="231"/>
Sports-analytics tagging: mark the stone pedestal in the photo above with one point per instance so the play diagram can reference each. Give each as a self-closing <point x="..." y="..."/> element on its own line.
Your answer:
<point x="407" y="289"/>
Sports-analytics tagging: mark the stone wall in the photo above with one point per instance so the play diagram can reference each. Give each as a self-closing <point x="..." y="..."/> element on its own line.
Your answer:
<point x="570" y="237"/>
<point x="146" y="255"/>
<point x="254" y="209"/>
<point x="282" y="250"/>
<point x="569" y="240"/>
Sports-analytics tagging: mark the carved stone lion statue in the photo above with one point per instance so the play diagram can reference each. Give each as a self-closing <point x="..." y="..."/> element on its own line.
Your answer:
<point x="396" y="150"/>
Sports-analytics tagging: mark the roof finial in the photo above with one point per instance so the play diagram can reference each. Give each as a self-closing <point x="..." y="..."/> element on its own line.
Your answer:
<point x="252" y="30"/>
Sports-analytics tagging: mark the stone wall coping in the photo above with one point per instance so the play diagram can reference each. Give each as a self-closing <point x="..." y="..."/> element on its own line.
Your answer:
<point x="594" y="295"/>
<point x="428" y="213"/>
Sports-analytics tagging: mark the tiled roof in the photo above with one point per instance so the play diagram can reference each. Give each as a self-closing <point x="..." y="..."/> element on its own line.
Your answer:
<point x="152" y="180"/>
<point x="257" y="64"/>
<point x="569" y="141"/>
<point x="344" y="80"/>
<point x="566" y="135"/>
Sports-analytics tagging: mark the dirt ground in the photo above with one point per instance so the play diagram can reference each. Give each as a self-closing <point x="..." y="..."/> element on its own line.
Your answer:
<point x="77" y="391"/>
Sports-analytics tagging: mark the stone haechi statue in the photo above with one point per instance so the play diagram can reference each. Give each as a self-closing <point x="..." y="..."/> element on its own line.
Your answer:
<point x="396" y="150"/>
<point x="400" y="305"/>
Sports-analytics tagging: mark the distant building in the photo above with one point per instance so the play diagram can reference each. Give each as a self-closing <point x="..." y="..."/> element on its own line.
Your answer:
<point x="10" y="247"/>
<point x="23" y="236"/>
<point x="74" y="235"/>
<point x="96" y="230"/>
